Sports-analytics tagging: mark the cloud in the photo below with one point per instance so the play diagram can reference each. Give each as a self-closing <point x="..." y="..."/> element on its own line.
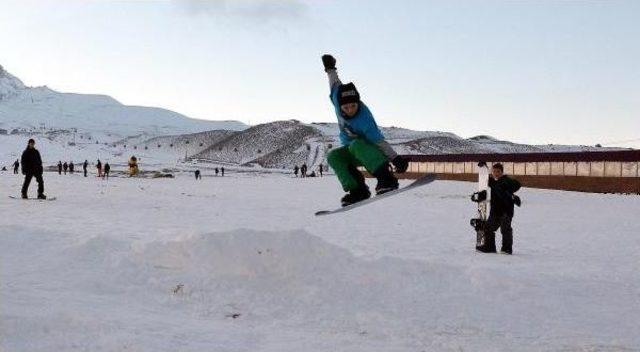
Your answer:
<point x="258" y="10"/>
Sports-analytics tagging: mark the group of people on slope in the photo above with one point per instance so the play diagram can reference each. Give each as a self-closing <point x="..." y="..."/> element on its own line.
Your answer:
<point x="198" y="174"/>
<point x="363" y="145"/>
<point x="304" y="172"/>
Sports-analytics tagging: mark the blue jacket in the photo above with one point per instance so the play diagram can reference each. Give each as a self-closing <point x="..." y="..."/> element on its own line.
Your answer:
<point x="362" y="125"/>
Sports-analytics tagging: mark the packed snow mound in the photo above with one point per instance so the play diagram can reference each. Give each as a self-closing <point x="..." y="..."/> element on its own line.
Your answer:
<point x="282" y="277"/>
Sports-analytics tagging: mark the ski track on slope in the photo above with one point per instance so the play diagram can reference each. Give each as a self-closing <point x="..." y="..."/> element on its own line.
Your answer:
<point x="100" y="269"/>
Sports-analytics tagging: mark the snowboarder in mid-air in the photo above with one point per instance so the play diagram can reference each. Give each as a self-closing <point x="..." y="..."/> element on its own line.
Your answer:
<point x="501" y="213"/>
<point x="32" y="167"/>
<point x="362" y="142"/>
<point x="16" y="166"/>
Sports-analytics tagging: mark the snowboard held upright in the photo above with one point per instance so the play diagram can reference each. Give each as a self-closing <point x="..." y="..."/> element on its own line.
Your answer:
<point x="483" y="199"/>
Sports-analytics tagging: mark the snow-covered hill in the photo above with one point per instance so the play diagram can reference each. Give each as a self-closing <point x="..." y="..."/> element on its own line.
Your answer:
<point x="37" y="109"/>
<point x="276" y="144"/>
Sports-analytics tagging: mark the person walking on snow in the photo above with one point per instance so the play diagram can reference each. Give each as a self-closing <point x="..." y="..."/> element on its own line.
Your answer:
<point x="84" y="167"/>
<point x="32" y="167"/>
<point x="65" y="167"/>
<point x="363" y="143"/>
<point x="198" y="177"/>
<point x="222" y="171"/>
<point x="217" y="170"/>
<point x="59" y="167"/>
<point x="303" y="171"/>
<point x="295" y="170"/>
<point x="71" y="167"/>
<point x="320" y="169"/>
<point x="16" y="166"/>
<point x="107" y="169"/>
<point x="502" y="201"/>
<point x="99" y="167"/>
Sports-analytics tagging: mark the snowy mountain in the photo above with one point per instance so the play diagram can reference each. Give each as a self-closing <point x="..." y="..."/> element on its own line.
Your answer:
<point x="42" y="109"/>
<point x="84" y="126"/>
<point x="10" y="86"/>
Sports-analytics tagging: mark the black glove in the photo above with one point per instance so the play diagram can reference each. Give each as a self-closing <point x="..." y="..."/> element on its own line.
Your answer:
<point x="329" y="62"/>
<point x="400" y="163"/>
<point x="479" y="196"/>
<point x="516" y="200"/>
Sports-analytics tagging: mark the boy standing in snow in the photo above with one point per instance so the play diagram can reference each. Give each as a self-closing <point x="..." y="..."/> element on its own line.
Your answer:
<point x="362" y="142"/>
<point x="32" y="167"/>
<point x="502" y="201"/>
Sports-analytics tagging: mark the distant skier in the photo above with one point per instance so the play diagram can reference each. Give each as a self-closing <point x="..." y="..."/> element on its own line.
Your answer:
<point x="84" y="167"/>
<point x="99" y="167"/>
<point x="198" y="177"/>
<point x="133" y="166"/>
<point x="295" y="170"/>
<point x="107" y="169"/>
<point x="303" y="171"/>
<point x="217" y="171"/>
<point x="362" y="142"/>
<point x="502" y="201"/>
<point x="32" y="167"/>
<point x="71" y="167"/>
<point x="222" y="171"/>
<point x="59" y="167"/>
<point x="65" y="167"/>
<point x="16" y="166"/>
<point x="320" y="169"/>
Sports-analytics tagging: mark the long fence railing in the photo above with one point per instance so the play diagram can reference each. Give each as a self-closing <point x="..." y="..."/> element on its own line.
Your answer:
<point x="605" y="172"/>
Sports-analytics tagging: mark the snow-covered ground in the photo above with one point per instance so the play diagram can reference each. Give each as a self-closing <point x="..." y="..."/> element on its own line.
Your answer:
<point x="241" y="264"/>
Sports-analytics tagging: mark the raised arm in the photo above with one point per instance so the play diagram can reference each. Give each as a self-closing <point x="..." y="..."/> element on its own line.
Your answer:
<point x="329" y="63"/>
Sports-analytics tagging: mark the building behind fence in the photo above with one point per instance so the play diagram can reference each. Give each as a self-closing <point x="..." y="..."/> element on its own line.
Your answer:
<point x="603" y="172"/>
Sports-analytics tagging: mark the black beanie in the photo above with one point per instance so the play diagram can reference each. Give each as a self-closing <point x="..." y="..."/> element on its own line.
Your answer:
<point x="347" y="93"/>
<point x="31" y="141"/>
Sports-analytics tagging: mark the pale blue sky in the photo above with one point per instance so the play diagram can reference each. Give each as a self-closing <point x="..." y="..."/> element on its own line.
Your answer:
<point x="529" y="71"/>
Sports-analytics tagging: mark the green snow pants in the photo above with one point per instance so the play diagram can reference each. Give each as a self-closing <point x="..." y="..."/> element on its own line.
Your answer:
<point x="345" y="160"/>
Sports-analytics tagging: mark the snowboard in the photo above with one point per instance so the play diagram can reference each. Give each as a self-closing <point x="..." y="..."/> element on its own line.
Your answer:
<point x="428" y="178"/>
<point x="483" y="198"/>
<point x="42" y="200"/>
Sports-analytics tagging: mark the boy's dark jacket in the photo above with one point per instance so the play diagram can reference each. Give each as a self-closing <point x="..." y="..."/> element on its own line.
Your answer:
<point x="502" y="195"/>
